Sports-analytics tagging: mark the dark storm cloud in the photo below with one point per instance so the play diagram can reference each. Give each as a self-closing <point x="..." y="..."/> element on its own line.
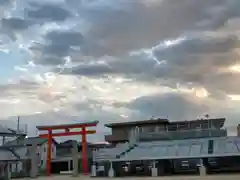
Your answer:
<point x="89" y="70"/>
<point x="48" y="12"/>
<point x="198" y="46"/>
<point x="199" y="60"/>
<point x="132" y="24"/>
<point x="58" y="44"/>
<point x="195" y="60"/>
<point x="220" y="15"/>
<point x="58" y="50"/>
<point x="191" y="57"/>
<point x="65" y="38"/>
<point x="125" y="65"/>
<point x="4" y="2"/>
<point x="14" y="23"/>
<point x="120" y="27"/>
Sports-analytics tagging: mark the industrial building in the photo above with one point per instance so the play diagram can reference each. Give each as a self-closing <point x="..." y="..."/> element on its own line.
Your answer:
<point x="160" y="147"/>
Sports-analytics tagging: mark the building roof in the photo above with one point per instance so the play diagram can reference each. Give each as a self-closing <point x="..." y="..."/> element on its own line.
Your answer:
<point x="181" y="149"/>
<point x="69" y="143"/>
<point x="28" y="141"/>
<point x="137" y="123"/>
<point x="63" y="126"/>
<point x="16" y="154"/>
<point x="8" y="132"/>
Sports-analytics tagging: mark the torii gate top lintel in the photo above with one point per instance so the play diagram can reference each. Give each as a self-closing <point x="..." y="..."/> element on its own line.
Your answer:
<point x="70" y="126"/>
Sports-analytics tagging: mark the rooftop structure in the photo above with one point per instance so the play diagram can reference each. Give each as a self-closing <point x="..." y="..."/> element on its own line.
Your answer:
<point x="164" y="128"/>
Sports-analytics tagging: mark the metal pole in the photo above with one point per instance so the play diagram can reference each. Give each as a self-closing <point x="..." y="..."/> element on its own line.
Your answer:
<point x="18" y="124"/>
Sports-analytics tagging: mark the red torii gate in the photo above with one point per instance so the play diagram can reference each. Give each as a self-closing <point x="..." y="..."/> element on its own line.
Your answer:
<point x="67" y="132"/>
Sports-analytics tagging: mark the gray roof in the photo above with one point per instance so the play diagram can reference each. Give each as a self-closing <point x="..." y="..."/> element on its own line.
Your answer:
<point x="176" y="149"/>
<point x="28" y="141"/>
<point x="13" y="155"/>
<point x="179" y="149"/>
<point x="5" y="131"/>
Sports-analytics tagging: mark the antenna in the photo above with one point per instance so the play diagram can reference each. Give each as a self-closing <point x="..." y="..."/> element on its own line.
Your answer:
<point x="26" y="129"/>
<point x="18" y="123"/>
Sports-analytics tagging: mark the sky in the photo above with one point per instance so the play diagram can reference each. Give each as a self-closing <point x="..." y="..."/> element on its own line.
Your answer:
<point x="69" y="61"/>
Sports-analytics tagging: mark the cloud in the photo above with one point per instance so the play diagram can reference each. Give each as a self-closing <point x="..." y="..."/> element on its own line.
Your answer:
<point x="118" y="28"/>
<point x="120" y="60"/>
<point x="132" y="25"/>
<point x="15" y="23"/>
<point x="4" y="2"/>
<point x="58" y="45"/>
<point x="48" y="12"/>
<point x="174" y="106"/>
<point x="199" y="60"/>
<point x="221" y="14"/>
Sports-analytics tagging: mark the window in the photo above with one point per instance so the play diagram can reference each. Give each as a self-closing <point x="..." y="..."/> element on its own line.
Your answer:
<point x="147" y="129"/>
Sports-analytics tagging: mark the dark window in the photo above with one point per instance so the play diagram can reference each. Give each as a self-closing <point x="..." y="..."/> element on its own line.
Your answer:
<point x="210" y="147"/>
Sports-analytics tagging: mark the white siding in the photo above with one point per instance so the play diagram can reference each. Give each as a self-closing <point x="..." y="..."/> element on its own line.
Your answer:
<point x="43" y="154"/>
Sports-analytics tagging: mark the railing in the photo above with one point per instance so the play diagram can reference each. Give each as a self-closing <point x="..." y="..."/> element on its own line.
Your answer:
<point x="197" y="124"/>
<point x="184" y="134"/>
